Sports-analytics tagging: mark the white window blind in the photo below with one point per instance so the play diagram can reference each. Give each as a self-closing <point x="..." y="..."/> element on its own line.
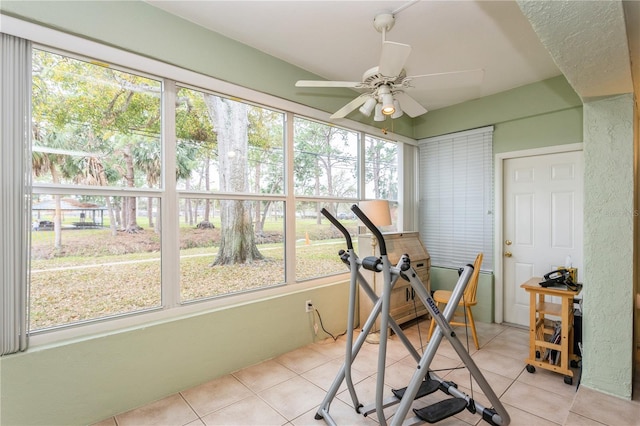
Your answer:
<point x="456" y="197"/>
<point x="15" y="172"/>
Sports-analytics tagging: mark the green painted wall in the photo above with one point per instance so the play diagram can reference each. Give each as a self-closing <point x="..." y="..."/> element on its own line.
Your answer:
<point x="550" y="129"/>
<point x="526" y="102"/>
<point x="87" y="380"/>
<point x="541" y="114"/>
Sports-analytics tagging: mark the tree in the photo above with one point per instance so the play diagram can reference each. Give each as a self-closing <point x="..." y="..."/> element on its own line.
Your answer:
<point x="49" y="162"/>
<point x="381" y="171"/>
<point x="265" y="157"/>
<point x="146" y="157"/>
<point x="185" y="152"/>
<point x="237" y="243"/>
<point x="102" y="113"/>
<point x="197" y="145"/>
<point x="325" y="162"/>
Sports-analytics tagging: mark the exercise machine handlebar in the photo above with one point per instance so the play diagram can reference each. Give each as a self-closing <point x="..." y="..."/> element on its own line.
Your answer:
<point x="374" y="229"/>
<point x="338" y="225"/>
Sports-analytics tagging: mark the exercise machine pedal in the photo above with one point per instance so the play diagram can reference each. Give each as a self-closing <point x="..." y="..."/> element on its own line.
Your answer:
<point x="441" y="410"/>
<point x="427" y="387"/>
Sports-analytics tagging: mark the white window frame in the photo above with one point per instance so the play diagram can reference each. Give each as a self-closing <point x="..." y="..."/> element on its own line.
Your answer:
<point x="47" y="38"/>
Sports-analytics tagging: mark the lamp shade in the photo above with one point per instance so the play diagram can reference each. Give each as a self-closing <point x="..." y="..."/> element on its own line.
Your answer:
<point x="399" y="111"/>
<point x="368" y="106"/>
<point x="387" y="104"/>
<point x="377" y="211"/>
<point x="379" y="116"/>
<point x="386" y="99"/>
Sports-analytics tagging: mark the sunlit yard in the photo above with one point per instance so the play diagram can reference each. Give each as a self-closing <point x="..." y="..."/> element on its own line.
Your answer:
<point x="97" y="275"/>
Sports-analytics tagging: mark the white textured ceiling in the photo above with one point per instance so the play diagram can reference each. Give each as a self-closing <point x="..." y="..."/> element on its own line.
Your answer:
<point x="336" y="39"/>
<point x="589" y="42"/>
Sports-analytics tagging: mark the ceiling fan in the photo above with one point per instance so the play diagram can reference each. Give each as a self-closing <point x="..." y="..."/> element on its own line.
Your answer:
<point x="387" y="83"/>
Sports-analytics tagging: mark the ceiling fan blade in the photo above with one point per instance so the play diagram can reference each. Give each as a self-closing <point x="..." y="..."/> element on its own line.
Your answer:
<point x="319" y="83"/>
<point x="357" y="102"/>
<point x="393" y="57"/>
<point x="409" y="105"/>
<point x="447" y="79"/>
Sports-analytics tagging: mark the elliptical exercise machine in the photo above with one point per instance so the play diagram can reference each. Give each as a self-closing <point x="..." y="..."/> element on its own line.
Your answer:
<point x="423" y="381"/>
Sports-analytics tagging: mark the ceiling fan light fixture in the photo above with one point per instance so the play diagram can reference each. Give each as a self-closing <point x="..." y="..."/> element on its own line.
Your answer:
<point x="398" y="112"/>
<point x="379" y="116"/>
<point x="386" y="98"/>
<point x="368" y="106"/>
<point x="387" y="104"/>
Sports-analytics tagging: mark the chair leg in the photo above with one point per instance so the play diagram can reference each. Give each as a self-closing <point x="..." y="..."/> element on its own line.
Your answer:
<point x="433" y="324"/>
<point x="473" y="327"/>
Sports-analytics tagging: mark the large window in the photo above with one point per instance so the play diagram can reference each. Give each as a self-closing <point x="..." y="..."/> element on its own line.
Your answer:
<point x="381" y="175"/>
<point x="226" y="146"/>
<point x="326" y="176"/>
<point x="326" y="160"/>
<point x="150" y="193"/>
<point x="95" y="243"/>
<point x="381" y="169"/>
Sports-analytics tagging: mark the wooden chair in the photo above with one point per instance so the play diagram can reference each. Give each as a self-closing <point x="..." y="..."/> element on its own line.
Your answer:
<point x="442" y="297"/>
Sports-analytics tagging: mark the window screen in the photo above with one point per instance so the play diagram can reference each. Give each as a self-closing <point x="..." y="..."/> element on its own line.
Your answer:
<point x="456" y="197"/>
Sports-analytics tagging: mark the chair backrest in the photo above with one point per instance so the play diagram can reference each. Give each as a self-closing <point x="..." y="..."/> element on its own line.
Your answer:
<point x="472" y="286"/>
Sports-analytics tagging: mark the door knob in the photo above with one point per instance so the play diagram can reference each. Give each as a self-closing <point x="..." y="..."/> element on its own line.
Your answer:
<point x="507" y="254"/>
<point x="508" y="242"/>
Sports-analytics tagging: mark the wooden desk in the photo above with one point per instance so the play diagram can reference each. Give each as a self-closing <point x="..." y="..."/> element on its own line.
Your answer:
<point x="402" y="308"/>
<point x="538" y="308"/>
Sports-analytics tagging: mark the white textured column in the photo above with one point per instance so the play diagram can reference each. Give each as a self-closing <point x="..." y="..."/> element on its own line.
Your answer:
<point x="608" y="245"/>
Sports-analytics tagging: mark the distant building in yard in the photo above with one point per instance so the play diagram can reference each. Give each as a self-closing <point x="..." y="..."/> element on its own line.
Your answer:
<point x="89" y="215"/>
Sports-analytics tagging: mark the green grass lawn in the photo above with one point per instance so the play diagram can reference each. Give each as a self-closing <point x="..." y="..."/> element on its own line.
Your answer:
<point x="97" y="275"/>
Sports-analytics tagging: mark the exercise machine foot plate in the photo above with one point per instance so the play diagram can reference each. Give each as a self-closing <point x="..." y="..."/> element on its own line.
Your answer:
<point x="441" y="410"/>
<point x="427" y="387"/>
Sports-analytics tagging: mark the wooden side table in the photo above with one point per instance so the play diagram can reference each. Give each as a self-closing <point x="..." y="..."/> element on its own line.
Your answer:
<point x="538" y="344"/>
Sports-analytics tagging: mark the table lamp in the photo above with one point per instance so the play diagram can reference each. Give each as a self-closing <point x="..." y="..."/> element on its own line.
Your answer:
<point x="377" y="211"/>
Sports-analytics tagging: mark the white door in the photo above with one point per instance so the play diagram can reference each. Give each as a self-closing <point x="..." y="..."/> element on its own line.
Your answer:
<point x="542" y="211"/>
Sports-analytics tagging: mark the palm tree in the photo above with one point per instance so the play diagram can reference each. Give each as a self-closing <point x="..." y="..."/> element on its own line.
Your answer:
<point x="146" y="158"/>
<point x="48" y="157"/>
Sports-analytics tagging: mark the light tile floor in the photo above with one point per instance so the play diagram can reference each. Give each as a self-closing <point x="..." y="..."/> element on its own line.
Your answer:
<point x="288" y="390"/>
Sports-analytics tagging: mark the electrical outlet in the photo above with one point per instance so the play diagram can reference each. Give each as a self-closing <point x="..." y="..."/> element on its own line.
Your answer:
<point x="308" y="306"/>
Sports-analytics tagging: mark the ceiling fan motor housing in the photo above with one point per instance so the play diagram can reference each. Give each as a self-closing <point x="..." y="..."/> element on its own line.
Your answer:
<point x="373" y="79"/>
<point x="384" y="21"/>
